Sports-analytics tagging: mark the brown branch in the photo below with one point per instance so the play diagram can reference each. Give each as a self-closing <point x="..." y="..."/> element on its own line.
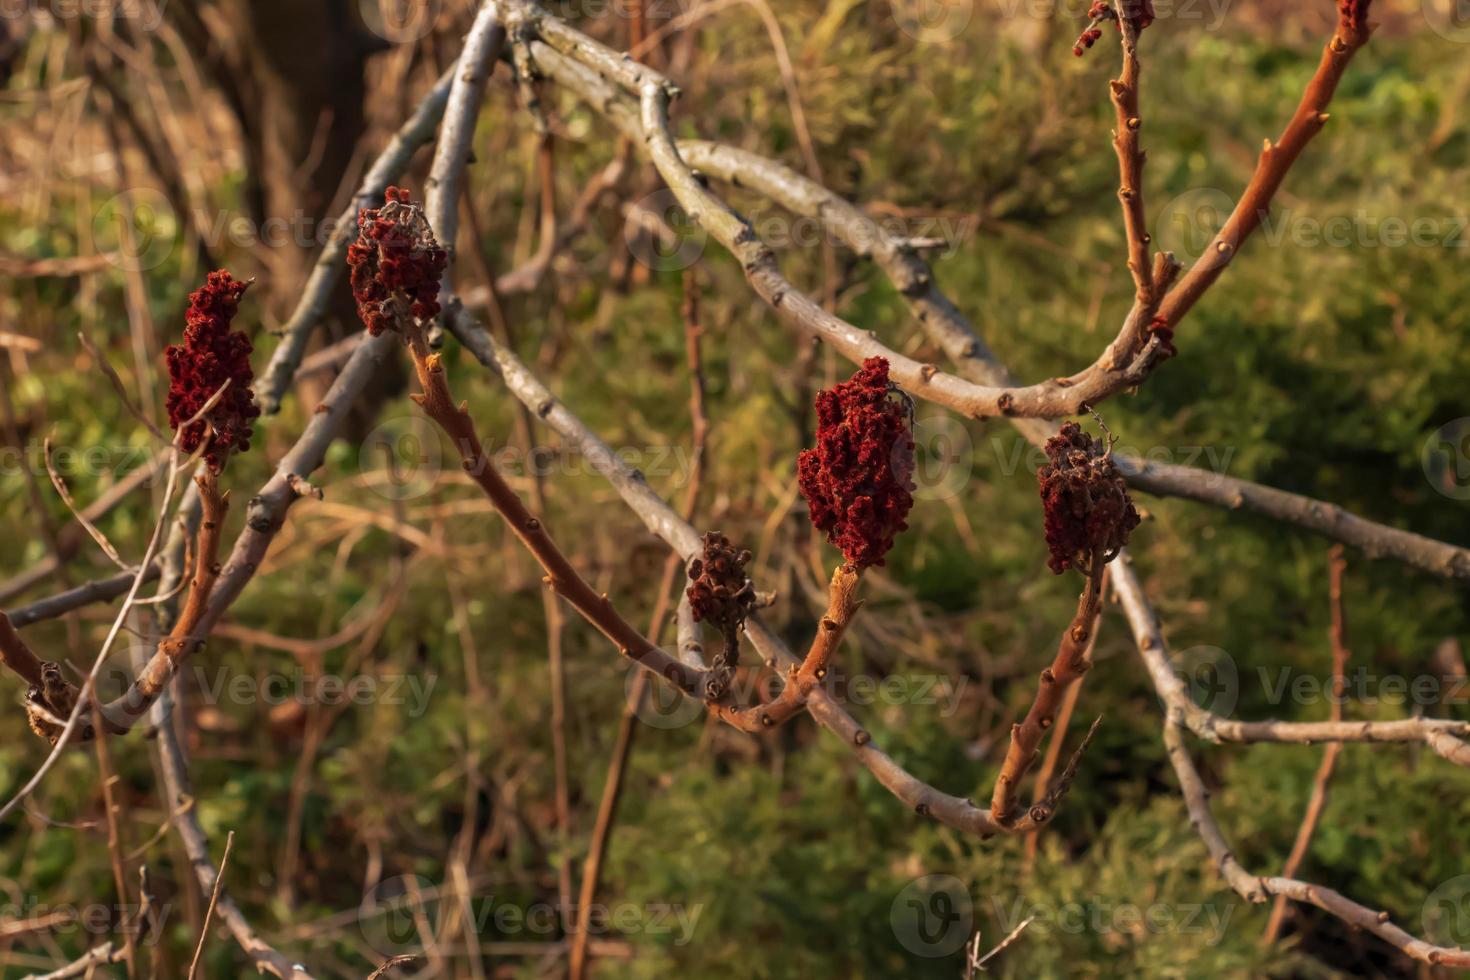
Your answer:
<point x="1149" y="639"/>
<point x="1275" y="162"/>
<point x="586" y="67"/>
<point x="173" y="768"/>
<point x="628" y="726"/>
<point x="267" y="509"/>
<point x="1379" y="923"/>
<point x="1068" y="668"/>
<point x="1043" y="780"/>
<point x="115" y="843"/>
<point x="925" y="799"/>
<point x="944" y="323"/>
<point x="1317" y="802"/>
<point x="1443" y="735"/>
<point x="219" y="879"/>
<point x="802" y="679"/>
<point x="16" y="655"/>
<point x="438" y="404"/>
<point x="1124" y="93"/>
<point x="71" y="537"/>
<point x="189" y="629"/>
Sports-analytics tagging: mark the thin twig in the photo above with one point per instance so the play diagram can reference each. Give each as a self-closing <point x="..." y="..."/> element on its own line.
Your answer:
<point x="617" y="769"/>
<point x="561" y="576"/>
<point x="1317" y="803"/>
<point x="116" y="845"/>
<point x="219" y="879"/>
<point x="1068" y="667"/>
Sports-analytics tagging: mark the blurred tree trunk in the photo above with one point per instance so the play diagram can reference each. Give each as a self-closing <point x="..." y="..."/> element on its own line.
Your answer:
<point x="294" y="76"/>
<point x="306" y="63"/>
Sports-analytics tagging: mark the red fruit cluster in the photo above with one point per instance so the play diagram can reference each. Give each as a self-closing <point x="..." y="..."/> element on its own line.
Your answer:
<point x="1087" y="509"/>
<point x="1141" y="12"/>
<point x="210" y="355"/>
<point x="858" y="481"/>
<point x="1138" y="12"/>
<point x="396" y="264"/>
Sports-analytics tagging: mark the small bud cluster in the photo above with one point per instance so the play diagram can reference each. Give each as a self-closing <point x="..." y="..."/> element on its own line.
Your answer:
<point x="1088" y="512"/>
<point x="719" y="591"/>
<point x="211" y="355"/>
<point x="50" y="703"/>
<point x="1140" y="13"/>
<point x="722" y="595"/>
<point x="858" y="481"/>
<point x="1353" y="14"/>
<point x="1160" y="328"/>
<point x="396" y="264"/>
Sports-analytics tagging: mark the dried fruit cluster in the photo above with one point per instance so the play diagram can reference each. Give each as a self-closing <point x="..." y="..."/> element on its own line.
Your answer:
<point x="1087" y="508"/>
<point x="396" y="264"/>
<point x="721" y="594"/>
<point x="719" y="591"/>
<point x="210" y="355"/>
<point x="858" y="481"/>
<point x="50" y="703"/>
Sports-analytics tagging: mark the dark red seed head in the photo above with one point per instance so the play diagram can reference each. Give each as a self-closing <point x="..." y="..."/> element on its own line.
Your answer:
<point x="396" y="264"/>
<point x="858" y="481"/>
<point x="210" y="355"/>
<point x="719" y="591"/>
<point x="1087" y="510"/>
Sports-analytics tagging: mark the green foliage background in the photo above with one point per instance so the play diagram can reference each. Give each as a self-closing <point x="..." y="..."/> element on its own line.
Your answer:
<point x="1311" y="367"/>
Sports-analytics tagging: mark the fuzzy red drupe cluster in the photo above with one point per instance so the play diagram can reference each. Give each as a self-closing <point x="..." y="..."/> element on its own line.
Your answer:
<point x="396" y="264"/>
<point x="858" y="481"/>
<point x="210" y="355"/>
<point x="1139" y="12"/>
<point x="1087" y="508"/>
